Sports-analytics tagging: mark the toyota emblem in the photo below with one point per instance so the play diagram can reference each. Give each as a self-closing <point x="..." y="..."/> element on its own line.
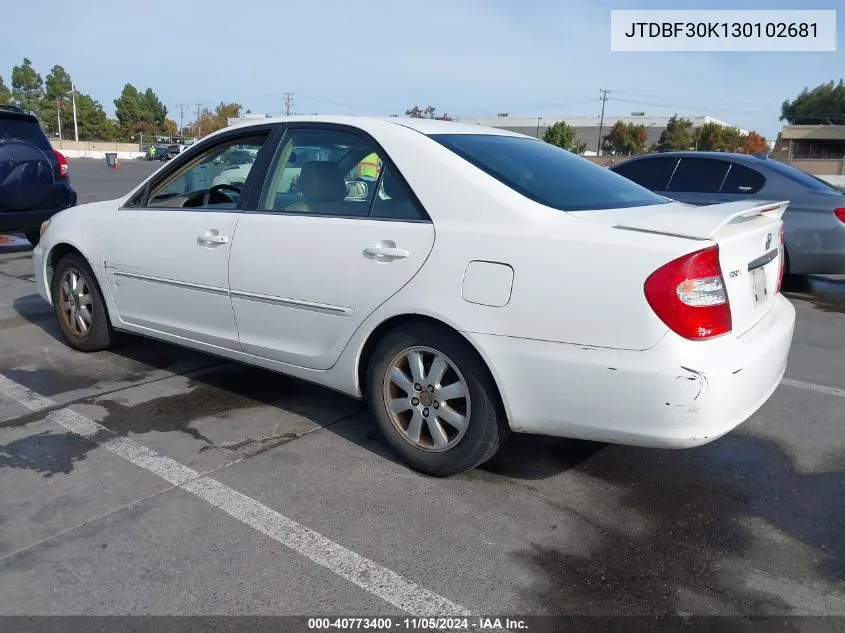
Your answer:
<point x="768" y="241"/>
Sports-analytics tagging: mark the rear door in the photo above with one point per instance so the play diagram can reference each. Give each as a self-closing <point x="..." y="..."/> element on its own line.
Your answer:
<point x="323" y="246"/>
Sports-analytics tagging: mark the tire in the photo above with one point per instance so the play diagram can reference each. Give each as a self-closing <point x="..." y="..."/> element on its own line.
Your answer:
<point x="34" y="237"/>
<point x="99" y="335"/>
<point x="485" y="426"/>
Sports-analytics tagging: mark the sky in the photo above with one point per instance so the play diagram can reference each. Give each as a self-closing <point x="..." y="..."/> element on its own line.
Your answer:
<point x="464" y="57"/>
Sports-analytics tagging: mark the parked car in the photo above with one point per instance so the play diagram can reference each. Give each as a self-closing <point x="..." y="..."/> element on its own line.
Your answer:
<point x="814" y="223"/>
<point x="490" y="283"/>
<point x="34" y="182"/>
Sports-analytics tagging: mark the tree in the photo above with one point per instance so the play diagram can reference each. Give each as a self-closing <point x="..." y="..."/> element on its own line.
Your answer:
<point x="579" y="147"/>
<point x="428" y="113"/>
<point x="5" y="93"/>
<point x="560" y="134"/>
<point x="211" y="121"/>
<point x="823" y="105"/>
<point x="140" y="113"/>
<point x="753" y="143"/>
<point x="27" y="87"/>
<point x="676" y="136"/>
<point x="57" y="101"/>
<point x="714" y="137"/>
<point x="626" y="139"/>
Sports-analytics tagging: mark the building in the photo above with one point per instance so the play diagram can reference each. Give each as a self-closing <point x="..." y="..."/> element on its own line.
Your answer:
<point x="587" y="127"/>
<point x="817" y="149"/>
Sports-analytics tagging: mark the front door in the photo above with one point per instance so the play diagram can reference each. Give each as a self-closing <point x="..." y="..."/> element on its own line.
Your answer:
<point x="167" y="252"/>
<point x="328" y="243"/>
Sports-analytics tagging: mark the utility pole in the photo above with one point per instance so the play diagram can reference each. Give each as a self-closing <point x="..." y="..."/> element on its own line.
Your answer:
<point x="75" y="128"/>
<point x="199" y="121"/>
<point x="182" y="107"/>
<point x="288" y="102"/>
<point x="604" y="94"/>
<point x="59" y="118"/>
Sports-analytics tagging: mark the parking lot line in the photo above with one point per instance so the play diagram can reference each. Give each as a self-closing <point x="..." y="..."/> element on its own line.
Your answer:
<point x="363" y="572"/>
<point x="809" y="386"/>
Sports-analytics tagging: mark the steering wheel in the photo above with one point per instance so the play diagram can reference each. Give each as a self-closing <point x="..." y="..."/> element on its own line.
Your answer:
<point x="206" y="199"/>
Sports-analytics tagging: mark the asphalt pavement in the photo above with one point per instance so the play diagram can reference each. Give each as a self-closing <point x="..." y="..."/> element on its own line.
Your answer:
<point x="154" y="480"/>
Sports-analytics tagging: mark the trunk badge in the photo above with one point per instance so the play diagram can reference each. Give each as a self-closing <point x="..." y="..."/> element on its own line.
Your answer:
<point x="768" y="241"/>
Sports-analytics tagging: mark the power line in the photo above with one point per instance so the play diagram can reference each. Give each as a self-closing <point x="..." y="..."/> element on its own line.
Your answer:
<point x="604" y="94"/>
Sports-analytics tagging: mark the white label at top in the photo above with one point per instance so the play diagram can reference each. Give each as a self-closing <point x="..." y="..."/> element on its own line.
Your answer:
<point x="723" y="31"/>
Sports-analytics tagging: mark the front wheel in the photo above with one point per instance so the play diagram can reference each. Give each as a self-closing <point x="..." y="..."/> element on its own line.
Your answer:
<point x="434" y="400"/>
<point x="79" y="305"/>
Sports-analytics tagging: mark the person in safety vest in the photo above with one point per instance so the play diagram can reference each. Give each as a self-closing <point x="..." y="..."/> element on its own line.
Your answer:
<point x="369" y="167"/>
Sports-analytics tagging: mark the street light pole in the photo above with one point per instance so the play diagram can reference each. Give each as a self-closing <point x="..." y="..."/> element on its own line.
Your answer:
<point x="538" y="126"/>
<point x="75" y="127"/>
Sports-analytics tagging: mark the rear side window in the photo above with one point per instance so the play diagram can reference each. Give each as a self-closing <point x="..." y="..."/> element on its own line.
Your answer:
<point x="23" y="129"/>
<point x="699" y="175"/>
<point x="548" y="174"/>
<point x="651" y="173"/>
<point x="743" y="180"/>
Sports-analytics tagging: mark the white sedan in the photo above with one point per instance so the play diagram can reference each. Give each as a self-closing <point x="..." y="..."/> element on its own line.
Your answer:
<point x="488" y="282"/>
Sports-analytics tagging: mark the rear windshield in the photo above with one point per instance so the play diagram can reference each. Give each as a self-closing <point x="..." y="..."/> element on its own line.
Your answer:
<point x="23" y="130"/>
<point x="803" y="178"/>
<point x="548" y="174"/>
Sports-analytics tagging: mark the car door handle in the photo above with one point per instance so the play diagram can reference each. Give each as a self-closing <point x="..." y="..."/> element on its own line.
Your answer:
<point x="211" y="238"/>
<point x="386" y="252"/>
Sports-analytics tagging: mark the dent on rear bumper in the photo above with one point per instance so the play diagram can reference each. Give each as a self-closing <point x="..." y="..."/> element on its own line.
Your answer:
<point x="679" y="394"/>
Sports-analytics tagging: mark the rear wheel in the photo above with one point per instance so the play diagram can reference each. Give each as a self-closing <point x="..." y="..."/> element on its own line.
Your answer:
<point x="79" y="305"/>
<point x="434" y="400"/>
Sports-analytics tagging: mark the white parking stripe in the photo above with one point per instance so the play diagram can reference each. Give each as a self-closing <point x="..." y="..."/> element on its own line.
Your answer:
<point x="24" y="396"/>
<point x="809" y="386"/>
<point x="366" y="574"/>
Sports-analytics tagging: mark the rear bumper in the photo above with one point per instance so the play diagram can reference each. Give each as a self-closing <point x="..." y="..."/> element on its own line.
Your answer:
<point x="63" y="198"/>
<point x="678" y="394"/>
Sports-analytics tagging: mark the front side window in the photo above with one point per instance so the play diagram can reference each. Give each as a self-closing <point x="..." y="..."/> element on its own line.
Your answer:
<point x="651" y="173"/>
<point x="548" y="174"/>
<point x="212" y="180"/>
<point x="326" y="172"/>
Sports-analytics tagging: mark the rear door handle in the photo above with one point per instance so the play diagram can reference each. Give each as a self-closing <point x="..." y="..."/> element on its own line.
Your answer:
<point x="212" y="237"/>
<point x="386" y="252"/>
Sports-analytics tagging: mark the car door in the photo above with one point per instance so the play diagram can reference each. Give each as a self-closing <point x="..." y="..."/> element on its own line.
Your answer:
<point x="697" y="180"/>
<point x="324" y="246"/>
<point x="167" y="251"/>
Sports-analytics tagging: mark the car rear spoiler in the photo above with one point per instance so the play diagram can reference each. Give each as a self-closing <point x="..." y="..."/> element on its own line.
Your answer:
<point x="700" y="223"/>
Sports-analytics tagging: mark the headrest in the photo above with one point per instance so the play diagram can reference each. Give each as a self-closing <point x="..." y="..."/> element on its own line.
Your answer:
<point x="322" y="180"/>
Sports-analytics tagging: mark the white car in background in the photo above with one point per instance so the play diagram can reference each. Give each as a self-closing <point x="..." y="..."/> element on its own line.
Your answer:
<point x="496" y="283"/>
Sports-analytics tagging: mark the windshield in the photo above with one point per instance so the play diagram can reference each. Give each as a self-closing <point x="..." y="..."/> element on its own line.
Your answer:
<point x="548" y="174"/>
<point x="801" y="177"/>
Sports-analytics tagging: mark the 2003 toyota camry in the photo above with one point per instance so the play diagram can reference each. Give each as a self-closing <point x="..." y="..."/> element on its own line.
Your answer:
<point x="482" y="282"/>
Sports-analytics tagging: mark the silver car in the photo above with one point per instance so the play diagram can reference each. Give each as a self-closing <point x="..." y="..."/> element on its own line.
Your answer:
<point x="814" y="223"/>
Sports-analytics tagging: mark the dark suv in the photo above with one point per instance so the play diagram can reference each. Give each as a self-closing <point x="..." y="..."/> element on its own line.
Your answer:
<point x="34" y="183"/>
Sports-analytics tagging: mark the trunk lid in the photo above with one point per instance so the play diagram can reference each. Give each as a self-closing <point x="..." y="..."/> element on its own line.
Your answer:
<point x="748" y="235"/>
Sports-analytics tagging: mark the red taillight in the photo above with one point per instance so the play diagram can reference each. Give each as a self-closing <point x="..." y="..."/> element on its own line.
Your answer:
<point x="62" y="163"/>
<point x="689" y="295"/>
<point x="840" y="213"/>
<point x="782" y="260"/>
